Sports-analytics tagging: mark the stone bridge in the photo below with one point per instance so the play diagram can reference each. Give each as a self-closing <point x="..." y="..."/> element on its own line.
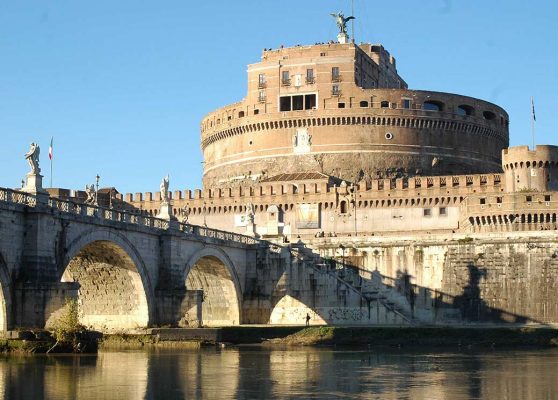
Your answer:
<point x="130" y="271"/>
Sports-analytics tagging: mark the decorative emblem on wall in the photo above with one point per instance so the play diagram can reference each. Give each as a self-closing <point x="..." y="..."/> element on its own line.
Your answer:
<point x="302" y="141"/>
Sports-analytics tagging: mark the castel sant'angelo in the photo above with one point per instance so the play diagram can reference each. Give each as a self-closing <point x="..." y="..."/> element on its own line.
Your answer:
<point x="332" y="151"/>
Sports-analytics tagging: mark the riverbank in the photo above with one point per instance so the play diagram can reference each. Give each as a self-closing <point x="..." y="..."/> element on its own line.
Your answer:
<point x="414" y="337"/>
<point x="291" y="336"/>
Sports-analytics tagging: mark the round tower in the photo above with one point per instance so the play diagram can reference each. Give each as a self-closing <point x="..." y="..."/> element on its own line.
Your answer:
<point x="535" y="170"/>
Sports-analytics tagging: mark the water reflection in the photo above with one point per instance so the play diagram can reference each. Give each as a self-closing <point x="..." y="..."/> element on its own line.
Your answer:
<point x="252" y="372"/>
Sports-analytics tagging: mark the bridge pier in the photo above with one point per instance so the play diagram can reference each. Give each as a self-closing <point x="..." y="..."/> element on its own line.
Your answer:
<point x="36" y="305"/>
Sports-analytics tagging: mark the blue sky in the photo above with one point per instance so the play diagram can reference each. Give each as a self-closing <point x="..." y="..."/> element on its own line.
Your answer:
<point x="122" y="85"/>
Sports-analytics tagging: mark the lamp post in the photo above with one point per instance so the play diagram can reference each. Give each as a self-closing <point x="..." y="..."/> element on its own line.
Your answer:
<point x="342" y="248"/>
<point x="97" y="189"/>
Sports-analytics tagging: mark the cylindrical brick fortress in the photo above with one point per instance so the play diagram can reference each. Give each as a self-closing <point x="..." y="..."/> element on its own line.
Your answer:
<point x="313" y="109"/>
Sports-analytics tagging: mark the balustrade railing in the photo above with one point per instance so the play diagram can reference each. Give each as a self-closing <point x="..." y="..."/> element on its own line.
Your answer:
<point x="70" y="207"/>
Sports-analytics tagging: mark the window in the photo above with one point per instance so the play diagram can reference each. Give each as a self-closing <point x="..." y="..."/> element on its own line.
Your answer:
<point x="427" y="212"/>
<point x="406" y="103"/>
<point x="310" y="102"/>
<point x="285" y="103"/>
<point x="483" y="201"/>
<point x="256" y="111"/>
<point x="443" y="211"/>
<point x="433" y="106"/>
<point x="528" y="199"/>
<point x="310" y="76"/>
<point x="384" y="104"/>
<point x="364" y="104"/>
<point x="489" y="115"/>
<point x="343" y="207"/>
<point x="465" y="110"/>
<point x="285" y="78"/>
<point x="340" y="105"/>
<point x="261" y="80"/>
<point x="261" y="96"/>
<point x="297" y="102"/>
<point x="335" y="90"/>
<point x="241" y="114"/>
<point x="499" y="200"/>
<point x="547" y="198"/>
<point x="335" y="76"/>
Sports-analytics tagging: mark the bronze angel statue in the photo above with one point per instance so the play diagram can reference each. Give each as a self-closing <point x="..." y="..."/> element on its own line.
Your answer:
<point x="342" y="21"/>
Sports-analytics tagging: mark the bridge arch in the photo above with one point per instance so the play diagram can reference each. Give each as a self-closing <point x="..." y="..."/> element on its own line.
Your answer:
<point x="115" y="290"/>
<point x="5" y="296"/>
<point x="211" y="270"/>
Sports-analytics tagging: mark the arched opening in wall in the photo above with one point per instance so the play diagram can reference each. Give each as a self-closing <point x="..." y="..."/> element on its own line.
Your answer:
<point x="489" y="115"/>
<point x="343" y="207"/>
<point x="364" y="104"/>
<point x="465" y="110"/>
<point x="433" y="105"/>
<point x="111" y="295"/>
<point x="291" y="311"/>
<point x="220" y="305"/>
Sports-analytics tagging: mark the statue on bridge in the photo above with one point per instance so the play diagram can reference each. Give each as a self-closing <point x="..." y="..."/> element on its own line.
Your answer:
<point x="32" y="157"/>
<point x="90" y="192"/>
<point x="164" y="188"/>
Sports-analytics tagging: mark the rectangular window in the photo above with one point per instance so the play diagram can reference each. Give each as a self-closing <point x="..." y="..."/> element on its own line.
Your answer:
<point x="298" y="103"/>
<point x="443" y="211"/>
<point x="261" y="81"/>
<point x="285" y="103"/>
<point x="340" y="105"/>
<point x="310" y="102"/>
<point x="406" y="103"/>
<point x="529" y="199"/>
<point x="310" y="76"/>
<point x="335" y="76"/>
<point x="547" y="197"/>
<point x="285" y="78"/>
<point x="335" y="90"/>
<point x="427" y="212"/>
<point x="261" y="96"/>
<point x="483" y="201"/>
<point x="498" y="200"/>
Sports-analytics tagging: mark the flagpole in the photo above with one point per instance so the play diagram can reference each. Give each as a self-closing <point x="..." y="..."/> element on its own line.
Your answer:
<point x="533" y="119"/>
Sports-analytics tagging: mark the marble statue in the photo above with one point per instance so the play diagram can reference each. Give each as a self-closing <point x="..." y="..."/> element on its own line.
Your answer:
<point x="183" y="214"/>
<point x="249" y="213"/>
<point x="342" y="22"/>
<point x="90" y="192"/>
<point x="164" y="187"/>
<point x="32" y="157"/>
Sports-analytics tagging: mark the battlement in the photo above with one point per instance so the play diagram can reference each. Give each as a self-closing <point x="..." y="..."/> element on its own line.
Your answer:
<point x="377" y="188"/>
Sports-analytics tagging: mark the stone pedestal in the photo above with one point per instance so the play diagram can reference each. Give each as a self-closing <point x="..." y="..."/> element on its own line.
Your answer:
<point x="34" y="185"/>
<point x="250" y="229"/>
<point x="343" y="38"/>
<point x="166" y="212"/>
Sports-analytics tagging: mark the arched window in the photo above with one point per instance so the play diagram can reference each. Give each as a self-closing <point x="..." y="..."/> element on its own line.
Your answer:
<point x="343" y="207"/>
<point x="364" y="104"/>
<point x="489" y="115"/>
<point x="464" y="110"/>
<point x="384" y="104"/>
<point x="433" y="105"/>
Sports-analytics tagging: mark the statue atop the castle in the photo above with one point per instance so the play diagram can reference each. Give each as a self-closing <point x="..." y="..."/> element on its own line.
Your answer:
<point x="164" y="187"/>
<point x="32" y="157"/>
<point x="342" y="22"/>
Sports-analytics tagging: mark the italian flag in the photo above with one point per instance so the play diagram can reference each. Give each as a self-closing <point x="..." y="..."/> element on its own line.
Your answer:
<point x="50" y="150"/>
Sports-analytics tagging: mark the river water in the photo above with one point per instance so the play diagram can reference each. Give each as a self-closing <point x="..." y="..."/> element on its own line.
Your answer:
<point x="256" y="373"/>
